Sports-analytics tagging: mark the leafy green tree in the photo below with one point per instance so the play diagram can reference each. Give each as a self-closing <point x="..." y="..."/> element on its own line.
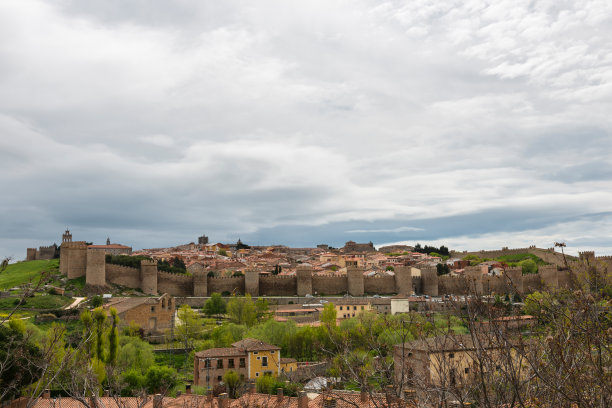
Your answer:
<point x="18" y="356"/>
<point x="528" y="266"/>
<point x="242" y="310"/>
<point x="97" y="301"/>
<point x="99" y="320"/>
<point x="232" y="382"/>
<point x="329" y="314"/>
<point x="135" y="354"/>
<point x="215" y="306"/>
<point x="161" y="379"/>
<point x="189" y="326"/>
<point x="133" y="382"/>
<point x="113" y="337"/>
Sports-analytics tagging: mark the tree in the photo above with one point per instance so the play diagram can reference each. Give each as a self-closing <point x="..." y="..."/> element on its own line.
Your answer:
<point x="232" y="382"/>
<point x="242" y="310"/>
<point x="215" y="306"/>
<point x="442" y="269"/>
<point x="189" y="326"/>
<point x="160" y="379"/>
<point x="97" y="301"/>
<point x="328" y="315"/>
<point x="528" y="266"/>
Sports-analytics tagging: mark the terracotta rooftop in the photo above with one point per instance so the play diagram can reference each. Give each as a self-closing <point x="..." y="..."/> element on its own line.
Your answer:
<point x="220" y="352"/>
<point x="254" y="345"/>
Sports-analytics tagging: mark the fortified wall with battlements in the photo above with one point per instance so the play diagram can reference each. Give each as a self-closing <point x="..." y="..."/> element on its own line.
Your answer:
<point x="78" y="260"/>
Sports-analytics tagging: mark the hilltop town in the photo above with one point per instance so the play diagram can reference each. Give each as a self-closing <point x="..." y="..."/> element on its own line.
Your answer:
<point x="246" y="325"/>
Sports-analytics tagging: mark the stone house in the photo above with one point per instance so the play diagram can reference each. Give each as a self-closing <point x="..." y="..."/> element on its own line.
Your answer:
<point x="152" y="314"/>
<point x="250" y="358"/>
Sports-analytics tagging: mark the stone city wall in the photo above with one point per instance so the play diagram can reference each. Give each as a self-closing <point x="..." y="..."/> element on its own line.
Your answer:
<point x="175" y="284"/>
<point x="382" y="285"/>
<point x="234" y="284"/>
<point x="277" y="285"/>
<point x="329" y="284"/>
<point x="123" y="275"/>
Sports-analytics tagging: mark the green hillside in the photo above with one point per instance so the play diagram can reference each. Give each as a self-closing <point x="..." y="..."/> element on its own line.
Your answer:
<point x="23" y="272"/>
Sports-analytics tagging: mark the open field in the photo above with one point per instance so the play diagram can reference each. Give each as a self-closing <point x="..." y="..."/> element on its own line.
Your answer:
<point x="27" y="271"/>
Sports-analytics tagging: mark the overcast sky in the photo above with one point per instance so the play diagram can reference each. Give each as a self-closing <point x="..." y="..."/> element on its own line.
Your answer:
<point x="477" y="124"/>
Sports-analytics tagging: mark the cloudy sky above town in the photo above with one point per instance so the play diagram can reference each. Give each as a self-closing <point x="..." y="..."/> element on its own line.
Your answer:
<point x="477" y="124"/>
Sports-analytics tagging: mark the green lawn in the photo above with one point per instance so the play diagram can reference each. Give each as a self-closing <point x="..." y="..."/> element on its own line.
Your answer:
<point x="37" y="302"/>
<point x="28" y="271"/>
<point x="515" y="258"/>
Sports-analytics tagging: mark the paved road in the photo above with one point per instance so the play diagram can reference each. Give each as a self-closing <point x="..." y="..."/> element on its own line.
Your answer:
<point x="75" y="303"/>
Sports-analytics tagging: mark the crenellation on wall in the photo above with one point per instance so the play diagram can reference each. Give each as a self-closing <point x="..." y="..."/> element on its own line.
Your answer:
<point x="277" y="285"/>
<point x="123" y="275"/>
<point x="382" y="285"/>
<point x="329" y="284"/>
<point x="234" y="285"/>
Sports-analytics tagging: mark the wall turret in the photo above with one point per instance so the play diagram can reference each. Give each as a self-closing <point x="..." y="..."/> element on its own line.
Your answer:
<point x="251" y="282"/>
<point x="30" y="254"/>
<point x="148" y="276"/>
<point x="473" y="275"/>
<point x="304" y="280"/>
<point x="66" y="237"/>
<point x="514" y="279"/>
<point x="96" y="268"/>
<point x="200" y="283"/>
<point x="73" y="259"/>
<point x="355" y="281"/>
<point x="403" y="280"/>
<point x="429" y="278"/>
<point x="587" y="257"/>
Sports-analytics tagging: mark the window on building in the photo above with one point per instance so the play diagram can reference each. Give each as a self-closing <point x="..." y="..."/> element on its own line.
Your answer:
<point x="264" y="361"/>
<point x="354" y="307"/>
<point x="256" y="374"/>
<point x="242" y="362"/>
<point x="340" y="307"/>
<point x="362" y="307"/>
<point x="219" y="363"/>
<point x="451" y="355"/>
<point x="207" y="378"/>
<point x="152" y="309"/>
<point x="219" y="378"/>
<point x="256" y="352"/>
<point x="207" y="363"/>
<point x="230" y="363"/>
<point x="452" y="376"/>
<point x="467" y="370"/>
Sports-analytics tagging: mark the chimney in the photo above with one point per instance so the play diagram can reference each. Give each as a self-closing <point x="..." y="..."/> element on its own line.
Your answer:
<point x="223" y="400"/>
<point x="279" y="394"/>
<point x="188" y="389"/>
<point x="409" y="394"/>
<point x="302" y="400"/>
<point x="363" y="396"/>
<point x="47" y="394"/>
<point x="158" y="401"/>
<point x="329" y="402"/>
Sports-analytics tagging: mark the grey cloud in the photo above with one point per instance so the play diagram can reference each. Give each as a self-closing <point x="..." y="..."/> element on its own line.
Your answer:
<point x="286" y="124"/>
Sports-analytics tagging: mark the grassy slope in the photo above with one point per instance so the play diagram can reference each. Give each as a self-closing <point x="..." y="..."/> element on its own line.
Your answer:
<point x="37" y="302"/>
<point x="23" y="272"/>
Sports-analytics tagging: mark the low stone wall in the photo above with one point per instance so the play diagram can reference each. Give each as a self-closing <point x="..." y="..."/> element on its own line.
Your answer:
<point x="174" y="284"/>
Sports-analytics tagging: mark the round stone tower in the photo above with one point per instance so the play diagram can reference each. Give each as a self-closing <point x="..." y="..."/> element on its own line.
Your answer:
<point x="514" y="279"/>
<point x="304" y="279"/>
<point x="73" y="259"/>
<point x="429" y="277"/>
<point x="403" y="280"/>
<point x="96" y="268"/>
<point x="251" y="282"/>
<point x="355" y="281"/>
<point x="148" y="276"/>
<point x="200" y="283"/>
